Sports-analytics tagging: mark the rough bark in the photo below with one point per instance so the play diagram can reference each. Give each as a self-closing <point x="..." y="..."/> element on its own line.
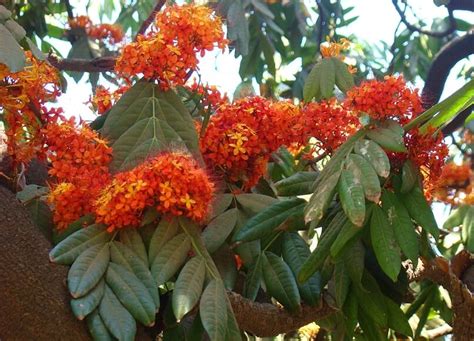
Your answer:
<point x="33" y="295"/>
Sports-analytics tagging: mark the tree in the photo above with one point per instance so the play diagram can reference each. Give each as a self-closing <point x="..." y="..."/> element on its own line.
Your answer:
<point x="194" y="216"/>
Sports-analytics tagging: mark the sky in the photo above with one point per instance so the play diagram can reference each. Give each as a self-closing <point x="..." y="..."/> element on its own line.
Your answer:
<point x="377" y="22"/>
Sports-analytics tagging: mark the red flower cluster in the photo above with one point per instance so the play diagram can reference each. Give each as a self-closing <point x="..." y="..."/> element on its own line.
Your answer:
<point x="113" y="34"/>
<point x="454" y="185"/>
<point x="103" y="99"/>
<point x="390" y="98"/>
<point x="172" y="182"/>
<point x="79" y="163"/>
<point x="23" y="95"/>
<point x="169" y="51"/>
<point x="210" y="97"/>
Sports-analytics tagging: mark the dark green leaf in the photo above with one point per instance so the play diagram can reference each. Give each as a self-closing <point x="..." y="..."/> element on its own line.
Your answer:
<point x="409" y="176"/>
<point x="11" y="53"/>
<point x="83" y="306"/>
<point x="299" y="183"/>
<point x="354" y="260"/>
<point x="312" y="88"/>
<point x="165" y="231"/>
<point x="327" y="79"/>
<point x="467" y="232"/>
<point x="397" y="320"/>
<point x="352" y="197"/>
<point x="213" y="310"/>
<point x="97" y="327"/>
<point x="342" y="283"/>
<point x="371" y="300"/>
<point x="344" y="79"/>
<point x="132" y="239"/>
<point x="253" y="280"/>
<point x="116" y="318"/>
<point x="220" y="204"/>
<point x="254" y="203"/>
<point x="363" y="170"/>
<point x="217" y="231"/>
<point x="375" y="155"/>
<point x="348" y="232"/>
<point x="225" y="262"/>
<point x="387" y="139"/>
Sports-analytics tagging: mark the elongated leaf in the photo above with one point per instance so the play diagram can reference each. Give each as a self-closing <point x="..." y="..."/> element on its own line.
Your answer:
<point x="384" y="243"/>
<point x="71" y="247"/>
<point x="375" y="155"/>
<point x="387" y="139"/>
<point x="233" y="332"/>
<point x="342" y="283"/>
<point x="363" y="170"/>
<point x="97" y="327"/>
<point x="350" y="311"/>
<point x="132" y="239"/>
<point x="456" y="217"/>
<point x="170" y="258"/>
<point x="312" y="87"/>
<point x="354" y="260"/>
<point x="352" y="197"/>
<point x="347" y="233"/>
<point x="397" y="320"/>
<point x="224" y="259"/>
<point x="420" y="211"/>
<point x="116" y="318"/>
<point x="467" y="232"/>
<point x="188" y="287"/>
<point x="400" y="221"/>
<point x="299" y="183"/>
<point x="217" y="231"/>
<point x="88" y="269"/>
<point x="213" y="310"/>
<point x="371" y="300"/>
<point x="344" y="79"/>
<point x="146" y="120"/>
<point x="409" y="176"/>
<point x="253" y="280"/>
<point x="254" y="203"/>
<point x="220" y="204"/>
<point x="316" y="261"/>
<point x="280" y="282"/>
<point x="83" y="306"/>
<point x="371" y="330"/>
<point x="11" y="54"/>
<point x="295" y="251"/>
<point x="327" y="78"/>
<point x="122" y="255"/>
<point x="132" y="293"/>
<point x="166" y="230"/>
<point x="269" y="219"/>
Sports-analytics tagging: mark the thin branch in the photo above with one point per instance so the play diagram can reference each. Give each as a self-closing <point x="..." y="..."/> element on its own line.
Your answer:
<point x="70" y="14"/>
<point x="150" y="18"/>
<point x="414" y="28"/>
<point x="99" y="64"/>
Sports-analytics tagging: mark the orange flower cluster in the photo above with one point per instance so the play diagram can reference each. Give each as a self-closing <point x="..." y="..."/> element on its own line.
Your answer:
<point x="170" y="50"/>
<point x="334" y="49"/>
<point x="454" y="185"/>
<point x="113" y="34"/>
<point x="22" y="98"/>
<point x="79" y="163"/>
<point x="390" y="98"/>
<point x="103" y="99"/>
<point x="210" y="97"/>
<point x="172" y="182"/>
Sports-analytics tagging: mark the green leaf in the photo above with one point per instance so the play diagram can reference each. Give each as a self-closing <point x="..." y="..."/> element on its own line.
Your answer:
<point x="238" y="28"/>
<point x="387" y="139"/>
<point x="354" y="261"/>
<point x="254" y="203"/>
<point x="316" y="261"/>
<point x="188" y="286"/>
<point x="170" y="258"/>
<point x="213" y="310"/>
<point x="397" y="320"/>
<point x="420" y="211"/>
<point x="363" y="170"/>
<point x="409" y="176"/>
<point x="42" y="217"/>
<point x="253" y="280"/>
<point x="342" y="283"/>
<point x="132" y="293"/>
<point x="97" y="327"/>
<point x="116" y="318"/>
<point x="312" y="88"/>
<point x="369" y="326"/>
<point x="233" y="332"/>
<point x="217" y="231"/>
<point x="371" y="300"/>
<point x="147" y="120"/>
<point x="122" y="255"/>
<point x="224" y="259"/>
<point x="11" y="53"/>
<point x="348" y="232"/>
<point x="88" y="269"/>
<point x="165" y="231"/>
<point x="384" y="243"/>
<point x="37" y="53"/>
<point x="132" y="239"/>
<point x="79" y="224"/>
<point x="299" y="183"/>
<point x="16" y="30"/>
<point x="350" y="310"/>
<point x="4" y="13"/>
<point x="220" y="204"/>
<point x="80" y="49"/>
<point x="83" y="306"/>
<point x="352" y="197"/>
<point x="456" y="217"/>
<point x="399" y="219"/>
<point x="467" y="232"/>
<point x="71" y="247"/>
<point x="270" y="219"/>
<point x="344" y="79"/>
<point x="375" y="155"/>
<point x="295" y="251"/>
<point x="280" y="282"/>
<point x="328" y="77"/>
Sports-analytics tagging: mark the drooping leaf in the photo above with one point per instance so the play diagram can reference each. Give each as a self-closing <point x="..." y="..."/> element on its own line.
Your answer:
<point x="116" y="318"/>
<point x="88" y="269"/>
<point x="280" y="282"/>
<point x="145" y="121"/>
<point x="270" y="219"/>
<point x="342" y="283"/>
<point x="347" y="233"/>
<point x="220" y="204"/>
<point x="233" y="332"/>
<point x="299" y="183"/>
<point x="132" y="239"/>
<point x="409" y="176"/>
<point x="388" y="139"/>
<point x="363" y="170"/>
<point x="327" y="78"/>
<point x="467" y="232"/>
<point x="122" y="255"/>
<point x="253" y="280"/>
<point x="375" y="155"/>
<point x="312" y="88"/>
<point x="354" y="261"/>
<point x="402" y="225"/>
<point x="11" y="53"/>
<point x="217" y="231"/>
<point x="253" y="202"/>
<point x="397" y="320"/>
<point x="83" y="306"/>
<point x="97" y="327"/>
<point x="188" y="286"/>
<point x="371" y="300"/>
<point x="344" y="79"/>
<point x="71" y="247"/>
<point x="295" y="251"/>
<point x="132" y="293"/>
<point x="213" y="310"/>
<point x="456" y="217"/>
<point x="350" y="310"/>
<point x="170" y="258"/>
<point x="165" y="231"/>
<point x="224" y="259"/>
<point x="238" y="28"/>
<point x="371" y="329"/>
<point x="352" y="197"/>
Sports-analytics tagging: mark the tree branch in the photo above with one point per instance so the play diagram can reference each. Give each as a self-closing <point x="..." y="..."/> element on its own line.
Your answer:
<point x="99" y="64"/>
<point x="413" y="28"/>
<point x="150" y="18"/>
<point x="264" y="319"/>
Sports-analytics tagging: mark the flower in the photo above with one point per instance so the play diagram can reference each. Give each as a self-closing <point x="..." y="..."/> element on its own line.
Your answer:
<point x="454" y="186"/>
<point x="334" y="49"/>
<point x="103" y="99"/>
<point x="111" y="33"/>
